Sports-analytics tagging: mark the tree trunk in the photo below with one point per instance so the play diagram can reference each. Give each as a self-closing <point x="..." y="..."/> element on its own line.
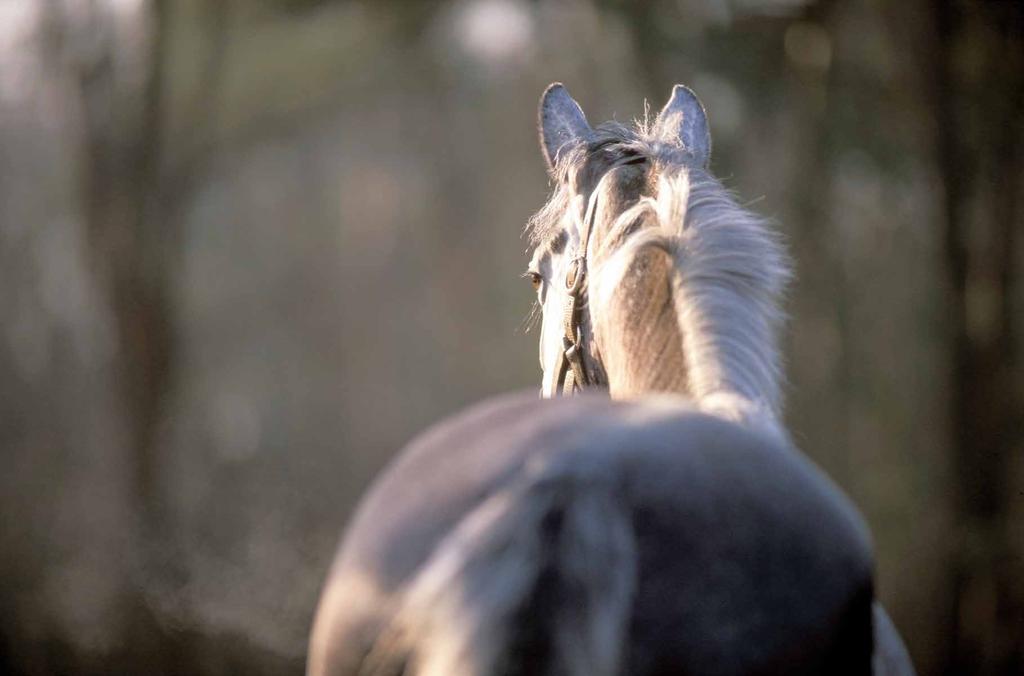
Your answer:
<point x="978" y="114"/>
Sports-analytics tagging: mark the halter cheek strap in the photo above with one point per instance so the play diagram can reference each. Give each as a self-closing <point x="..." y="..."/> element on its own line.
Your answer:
<point x="569" y="368"/>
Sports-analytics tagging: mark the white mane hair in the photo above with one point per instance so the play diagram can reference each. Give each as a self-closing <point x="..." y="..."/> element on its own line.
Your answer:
<point x="726" y="271"/>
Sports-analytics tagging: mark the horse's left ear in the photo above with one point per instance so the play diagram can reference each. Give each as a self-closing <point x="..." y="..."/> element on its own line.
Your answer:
<point x="683" y="122"/>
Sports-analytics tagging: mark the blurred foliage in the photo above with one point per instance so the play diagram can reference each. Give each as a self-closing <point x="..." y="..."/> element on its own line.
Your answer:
<point x="248" y="249"/>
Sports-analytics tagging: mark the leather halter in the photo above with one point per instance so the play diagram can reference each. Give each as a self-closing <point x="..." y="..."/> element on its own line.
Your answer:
<point x="571" y="373"/>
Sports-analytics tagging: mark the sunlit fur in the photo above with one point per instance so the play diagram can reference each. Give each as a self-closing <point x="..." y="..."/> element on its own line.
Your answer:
<point x="685" y="285"/>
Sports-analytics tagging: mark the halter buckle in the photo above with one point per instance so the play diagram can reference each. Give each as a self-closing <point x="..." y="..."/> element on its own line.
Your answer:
<point x="574" y="276"/>
<point x="573" y="356"/>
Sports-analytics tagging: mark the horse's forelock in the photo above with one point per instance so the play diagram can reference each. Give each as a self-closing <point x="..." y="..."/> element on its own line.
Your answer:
<point x="578" y="171"/>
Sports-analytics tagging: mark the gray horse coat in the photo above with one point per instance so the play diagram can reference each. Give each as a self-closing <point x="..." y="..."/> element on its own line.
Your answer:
<point x="645" y="534"/>
<point x="588" y="536"/>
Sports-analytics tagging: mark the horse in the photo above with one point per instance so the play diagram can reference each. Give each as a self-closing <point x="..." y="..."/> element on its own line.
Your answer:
<point x="659" y="521"/>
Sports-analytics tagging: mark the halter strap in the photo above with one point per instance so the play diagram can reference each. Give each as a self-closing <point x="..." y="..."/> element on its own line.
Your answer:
<point x="572" y="375"/>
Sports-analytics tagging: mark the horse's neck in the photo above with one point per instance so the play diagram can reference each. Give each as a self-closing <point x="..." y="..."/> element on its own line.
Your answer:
<point x="638" y="333"/>
<point x="656" y="334"/>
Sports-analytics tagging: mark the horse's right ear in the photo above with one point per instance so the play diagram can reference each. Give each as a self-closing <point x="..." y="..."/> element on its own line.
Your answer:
<point x="562" y="124"/>
<point x="683" y="122"/>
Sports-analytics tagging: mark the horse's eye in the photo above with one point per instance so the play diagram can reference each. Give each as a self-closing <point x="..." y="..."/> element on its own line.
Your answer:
<point x="535" y="280"/>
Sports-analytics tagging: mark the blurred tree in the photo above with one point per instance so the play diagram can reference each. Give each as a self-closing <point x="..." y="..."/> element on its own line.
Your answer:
<point x="978" y="67"/>
<point x="130" y="243"/>
<point x="132" y="203"/>
<point x="130" y="237"/>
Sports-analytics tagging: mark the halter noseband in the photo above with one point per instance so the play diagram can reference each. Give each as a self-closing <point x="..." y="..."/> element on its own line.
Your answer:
<point x="571" y="373"/>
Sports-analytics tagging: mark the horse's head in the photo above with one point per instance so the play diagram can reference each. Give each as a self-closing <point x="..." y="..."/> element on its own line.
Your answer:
<point x="605" y="181"/>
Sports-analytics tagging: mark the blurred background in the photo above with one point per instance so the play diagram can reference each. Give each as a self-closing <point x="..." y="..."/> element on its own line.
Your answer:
<point x="249" y="248"/>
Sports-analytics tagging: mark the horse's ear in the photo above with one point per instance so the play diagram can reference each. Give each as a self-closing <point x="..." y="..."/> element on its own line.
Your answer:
<point x="683" y="122"/>
<point x="562" y="124"/>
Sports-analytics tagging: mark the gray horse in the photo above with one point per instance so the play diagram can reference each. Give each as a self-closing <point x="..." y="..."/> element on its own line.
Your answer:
<point x="669" y="529"/>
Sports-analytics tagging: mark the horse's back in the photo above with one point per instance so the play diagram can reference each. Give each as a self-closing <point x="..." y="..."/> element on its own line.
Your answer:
<point x="744" y="550"/>
<point x="748" y="554"/>
<point x="434" y="482"/>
